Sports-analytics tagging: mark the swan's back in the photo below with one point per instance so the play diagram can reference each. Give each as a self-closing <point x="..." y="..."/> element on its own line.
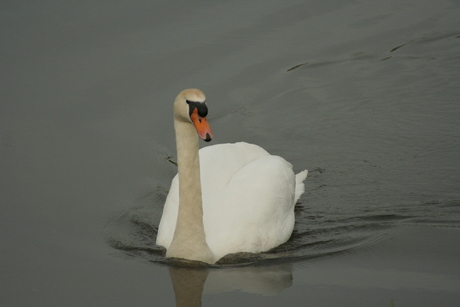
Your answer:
<point x="248" y="199"/>
<point x="219" y="163"/>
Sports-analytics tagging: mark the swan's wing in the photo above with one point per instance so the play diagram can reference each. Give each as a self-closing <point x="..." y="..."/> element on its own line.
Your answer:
<point x="219" y="163"/>
<point x="254" y="211"/>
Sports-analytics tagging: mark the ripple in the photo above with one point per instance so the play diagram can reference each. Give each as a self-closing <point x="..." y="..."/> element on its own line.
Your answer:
<point x="133" y="233"/>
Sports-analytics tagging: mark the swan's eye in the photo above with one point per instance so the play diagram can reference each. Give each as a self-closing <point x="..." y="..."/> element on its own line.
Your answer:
<point x="200" y="106"/>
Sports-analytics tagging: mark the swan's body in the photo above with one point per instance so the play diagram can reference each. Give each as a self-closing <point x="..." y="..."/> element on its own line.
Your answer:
<point x="244" y="201"/>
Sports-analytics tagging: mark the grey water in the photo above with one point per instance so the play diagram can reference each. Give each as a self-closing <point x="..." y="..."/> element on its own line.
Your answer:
<point x="363" y="94"/>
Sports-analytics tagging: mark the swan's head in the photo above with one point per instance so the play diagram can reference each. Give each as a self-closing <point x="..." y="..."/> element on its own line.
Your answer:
<point x="190" y="106"/>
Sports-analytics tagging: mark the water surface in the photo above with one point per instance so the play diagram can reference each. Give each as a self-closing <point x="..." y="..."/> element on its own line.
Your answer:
<point x="363" y="94"/>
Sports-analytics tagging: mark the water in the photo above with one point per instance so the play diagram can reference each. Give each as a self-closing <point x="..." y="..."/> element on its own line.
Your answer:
<point x="363" y="94"/>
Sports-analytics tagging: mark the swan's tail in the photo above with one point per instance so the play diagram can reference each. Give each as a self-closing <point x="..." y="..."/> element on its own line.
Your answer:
<point x="299" y="185"/>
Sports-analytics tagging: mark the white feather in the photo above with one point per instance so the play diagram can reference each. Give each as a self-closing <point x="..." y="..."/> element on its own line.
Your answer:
<point x="248" y="199"/>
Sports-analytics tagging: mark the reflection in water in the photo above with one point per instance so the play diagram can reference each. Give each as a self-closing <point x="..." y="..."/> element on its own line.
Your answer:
<point x="189" y="283"/>
<point x="264" y="280"/>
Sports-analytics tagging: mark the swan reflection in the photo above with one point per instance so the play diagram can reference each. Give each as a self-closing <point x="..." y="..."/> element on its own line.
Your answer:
<point x="190" y="284"/>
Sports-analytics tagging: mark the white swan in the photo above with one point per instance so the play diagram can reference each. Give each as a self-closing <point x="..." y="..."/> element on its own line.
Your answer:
<point x="229" y="198"/>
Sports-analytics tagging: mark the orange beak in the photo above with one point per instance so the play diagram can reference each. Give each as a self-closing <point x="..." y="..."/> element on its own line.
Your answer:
<point x="201" y="126"/>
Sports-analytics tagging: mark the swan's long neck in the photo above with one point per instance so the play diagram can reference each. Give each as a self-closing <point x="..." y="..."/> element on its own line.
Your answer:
<point x="189" y="239"/>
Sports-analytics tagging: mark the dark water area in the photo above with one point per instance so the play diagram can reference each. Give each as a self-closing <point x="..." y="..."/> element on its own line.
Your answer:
<point x="363" y="94"/>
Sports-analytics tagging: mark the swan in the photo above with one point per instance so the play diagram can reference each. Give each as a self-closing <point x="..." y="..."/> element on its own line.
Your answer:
<point x="226" y="198"/>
